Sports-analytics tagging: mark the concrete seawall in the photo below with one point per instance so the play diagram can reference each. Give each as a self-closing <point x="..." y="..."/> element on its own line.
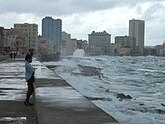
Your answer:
<point x="55" y="101"/>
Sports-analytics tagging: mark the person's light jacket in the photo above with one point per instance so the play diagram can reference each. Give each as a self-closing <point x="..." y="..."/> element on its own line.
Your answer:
<point x="29" y="71"/>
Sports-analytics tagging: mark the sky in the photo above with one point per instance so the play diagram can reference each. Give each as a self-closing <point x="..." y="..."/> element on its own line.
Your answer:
<point x="81" y="17"/>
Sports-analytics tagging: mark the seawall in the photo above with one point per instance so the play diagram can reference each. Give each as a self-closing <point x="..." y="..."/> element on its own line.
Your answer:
<point x="57" y="102"/>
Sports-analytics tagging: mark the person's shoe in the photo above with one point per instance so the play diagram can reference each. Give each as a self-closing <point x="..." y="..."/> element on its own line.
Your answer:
<point x="28" y="103"/>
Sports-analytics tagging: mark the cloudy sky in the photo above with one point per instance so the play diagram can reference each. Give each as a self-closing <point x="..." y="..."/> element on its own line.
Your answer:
<point x="81" y="17"/>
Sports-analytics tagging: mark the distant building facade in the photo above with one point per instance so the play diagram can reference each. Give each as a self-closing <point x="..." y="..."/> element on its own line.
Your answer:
<point x="15" y="40"/>
<point x="1" y="39"/>
<point x="45" y="46"/>
<point x="124" y="45"/>
<point x="137" y="30"/>
<point x="52" y="30"/>
<point x="160" y="49"/>
<point x="31" y="33"/>
<point x="68" y="45"/>
<point x="99" y="43"/>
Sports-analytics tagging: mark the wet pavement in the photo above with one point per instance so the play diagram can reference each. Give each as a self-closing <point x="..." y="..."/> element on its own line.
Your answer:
<point x="55" y="101"/>
<point x="12" y="94"/>
<point x="62" y="104"/>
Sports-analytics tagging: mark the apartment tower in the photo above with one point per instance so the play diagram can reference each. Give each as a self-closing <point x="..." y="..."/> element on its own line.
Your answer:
<point x="52" y="30"/>
<point x="136" y="30"/>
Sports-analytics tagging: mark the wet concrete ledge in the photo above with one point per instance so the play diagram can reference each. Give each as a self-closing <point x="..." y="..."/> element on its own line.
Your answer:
<point x="12" y="94"/>
<point x="3" y="57"/>
<point x="57" y="102"/>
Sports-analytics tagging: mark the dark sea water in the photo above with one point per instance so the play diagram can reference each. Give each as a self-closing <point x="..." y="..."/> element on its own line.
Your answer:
<point x="131" y="89"/>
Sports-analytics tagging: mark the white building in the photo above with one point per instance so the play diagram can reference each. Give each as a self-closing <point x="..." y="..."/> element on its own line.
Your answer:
<point x="68" y="45"/>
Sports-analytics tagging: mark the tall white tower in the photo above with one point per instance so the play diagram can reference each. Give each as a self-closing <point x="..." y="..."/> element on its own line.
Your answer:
<point x="136" y="30"/>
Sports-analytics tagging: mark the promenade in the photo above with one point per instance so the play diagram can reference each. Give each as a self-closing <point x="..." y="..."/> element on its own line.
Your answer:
<point x="55" y="101"/>
<point x="12" y="94"/>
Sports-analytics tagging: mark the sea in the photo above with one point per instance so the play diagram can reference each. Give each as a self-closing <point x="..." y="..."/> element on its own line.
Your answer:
<point x="129" y="88"/>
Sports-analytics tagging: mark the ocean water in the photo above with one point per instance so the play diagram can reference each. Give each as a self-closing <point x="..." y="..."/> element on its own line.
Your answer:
<point x="131" y="89"/>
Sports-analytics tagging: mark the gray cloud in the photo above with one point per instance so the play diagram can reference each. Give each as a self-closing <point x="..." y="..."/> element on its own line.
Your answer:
<point x="150" y="13"/>
<point x="63" y="7"/>
<point x="59" y="7"/>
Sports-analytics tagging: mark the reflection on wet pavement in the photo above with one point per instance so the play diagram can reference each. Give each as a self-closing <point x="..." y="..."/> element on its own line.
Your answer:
<point x="13" y="120"/>
<point x="12" y="89"/>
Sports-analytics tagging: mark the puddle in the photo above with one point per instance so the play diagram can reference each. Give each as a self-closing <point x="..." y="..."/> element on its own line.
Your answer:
<point x="13" y="120"/>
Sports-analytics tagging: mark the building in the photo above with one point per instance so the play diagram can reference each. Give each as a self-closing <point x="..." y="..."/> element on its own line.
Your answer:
<point x="46" y="50"/>
<point x="160" y="49"/>
<point x="150" y="50"/>
<point x="68" y="45"/>
<point x="81" y="44"/>
<point x="15" y="40"/>
<point x="1" y="39"/>
<point x="52" y="30"/>
<point x="124" y="45"/>
<point x="99" y="42"/>
<point x="137" y="30"/>
<point x="45" y="46"/>
<point x="125" y="41"/>
<point x="31" y="32"/>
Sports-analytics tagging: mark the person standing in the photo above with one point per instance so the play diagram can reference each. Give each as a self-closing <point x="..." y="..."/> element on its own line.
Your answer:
<point x="11" y="55"/>
<point x="14" y="55"/>
<point x="29" y="77"/>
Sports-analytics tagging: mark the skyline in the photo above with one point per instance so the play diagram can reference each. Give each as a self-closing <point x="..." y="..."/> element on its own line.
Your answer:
<point x="80" y="18"/>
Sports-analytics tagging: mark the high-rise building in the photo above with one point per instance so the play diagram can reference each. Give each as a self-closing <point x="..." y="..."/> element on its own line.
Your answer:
<point x="137" y="30"/>
<point x="52" y="29"/>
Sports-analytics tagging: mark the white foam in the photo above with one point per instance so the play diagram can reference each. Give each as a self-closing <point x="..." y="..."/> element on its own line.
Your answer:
<point x="78" y="53"/>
